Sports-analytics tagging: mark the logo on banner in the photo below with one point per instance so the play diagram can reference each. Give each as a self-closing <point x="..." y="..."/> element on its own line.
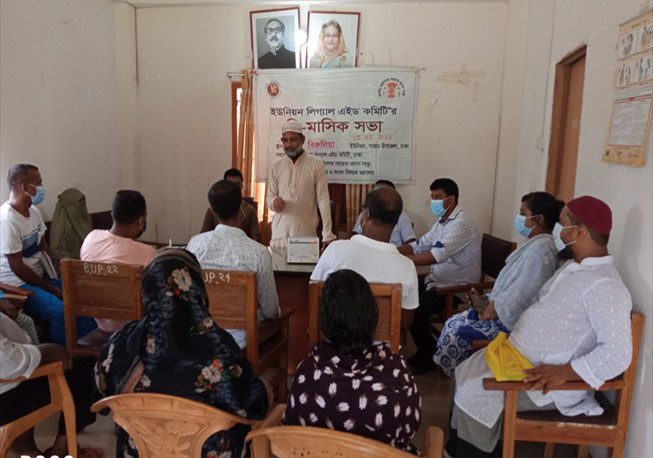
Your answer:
<point x="391" y="88"/>
<point x="273" y="89"/>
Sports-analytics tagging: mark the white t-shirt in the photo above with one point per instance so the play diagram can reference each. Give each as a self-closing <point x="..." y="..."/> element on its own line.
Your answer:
<point x="18" y="358"/>
<point x="377" y="262"/>
<point x="20" y="234"/>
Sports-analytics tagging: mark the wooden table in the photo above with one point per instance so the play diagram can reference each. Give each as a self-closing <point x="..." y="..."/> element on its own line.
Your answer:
<point x="292" y="288"/>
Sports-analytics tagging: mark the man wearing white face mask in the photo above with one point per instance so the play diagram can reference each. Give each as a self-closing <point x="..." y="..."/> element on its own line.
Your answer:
<point x="297" y="188"/>
<point x="578" y="329"/>
<point x="453" y="250"/>
<point x="22" y="249"/>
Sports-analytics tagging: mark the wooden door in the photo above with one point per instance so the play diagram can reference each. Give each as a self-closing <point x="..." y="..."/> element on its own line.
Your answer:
<point x="565" y="126"/>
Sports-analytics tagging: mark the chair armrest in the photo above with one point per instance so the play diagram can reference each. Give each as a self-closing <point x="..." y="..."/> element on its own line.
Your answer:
<point x="478" y="344"/>
<point x="272" y="419"/>
<point x="463" y="288"/>
<point x="433" y="442"/>
<point x="491" y="384"/>
<point x="17" y="298"/>
<point x="9" y="289"/>
<point x="41" y="371"/>
<point x="286" y="313"/>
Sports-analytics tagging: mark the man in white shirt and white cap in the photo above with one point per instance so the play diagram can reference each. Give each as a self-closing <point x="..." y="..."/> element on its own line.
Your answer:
<point x="297" y="187"/>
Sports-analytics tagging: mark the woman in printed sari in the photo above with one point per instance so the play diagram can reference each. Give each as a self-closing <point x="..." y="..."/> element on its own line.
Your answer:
<point x="177" y="349"/>
<point x="516" y="287"/>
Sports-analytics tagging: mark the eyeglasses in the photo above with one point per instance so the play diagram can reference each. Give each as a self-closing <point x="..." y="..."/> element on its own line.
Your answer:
<point x="271" y="30"/>
<point x="335" y="35"/>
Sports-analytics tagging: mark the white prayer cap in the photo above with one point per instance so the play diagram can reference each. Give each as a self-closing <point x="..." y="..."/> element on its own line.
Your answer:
<point x="292" y="126"/>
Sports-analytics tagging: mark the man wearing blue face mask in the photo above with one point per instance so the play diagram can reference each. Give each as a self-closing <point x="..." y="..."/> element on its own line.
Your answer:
<point x="23" y="250"/>
<point x="579" y="329"/>
<point x="453" y="250"/>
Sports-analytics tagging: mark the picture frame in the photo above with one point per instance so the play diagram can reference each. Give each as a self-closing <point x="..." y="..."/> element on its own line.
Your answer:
<point x="332" y="39"/>
<point x="274" y="28"/>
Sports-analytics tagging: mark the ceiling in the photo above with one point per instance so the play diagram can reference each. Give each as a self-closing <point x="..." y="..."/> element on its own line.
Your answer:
<point x="155" y="3"/>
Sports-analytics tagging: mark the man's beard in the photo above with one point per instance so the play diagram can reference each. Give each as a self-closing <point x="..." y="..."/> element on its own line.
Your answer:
<point x="566" y="254"/>
<point x="293" y="153"/>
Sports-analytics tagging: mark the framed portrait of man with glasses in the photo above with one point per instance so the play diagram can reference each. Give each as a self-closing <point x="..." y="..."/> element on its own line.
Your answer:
<point x="273" y="35"/>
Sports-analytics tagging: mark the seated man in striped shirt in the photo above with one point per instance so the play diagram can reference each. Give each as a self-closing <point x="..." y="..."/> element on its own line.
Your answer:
<point x="453" y="250"/>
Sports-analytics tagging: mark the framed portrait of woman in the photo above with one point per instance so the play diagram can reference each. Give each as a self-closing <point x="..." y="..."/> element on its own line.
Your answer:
<point x="332" y="39"/>
<point x="274" y="33"/>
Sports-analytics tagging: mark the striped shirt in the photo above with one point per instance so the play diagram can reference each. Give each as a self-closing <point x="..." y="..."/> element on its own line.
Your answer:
<point x="456" y="246"/>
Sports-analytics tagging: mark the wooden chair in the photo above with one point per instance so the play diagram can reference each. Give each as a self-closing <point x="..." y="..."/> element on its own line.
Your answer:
<point x="20" y="296"/>
<point x="608" y="429"/>
<point x="388" y="298"/>
<point x="167" y="426"/>
<point x="98" y="290"/>
<point x="233" y="304"/>
<point x="307" y="441"/>
<point x="494" y="252"/>
<point x="60" y="399"/>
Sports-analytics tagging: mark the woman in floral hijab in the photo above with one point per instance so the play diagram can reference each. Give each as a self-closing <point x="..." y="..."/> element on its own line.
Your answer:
<point x="177" y="349"/>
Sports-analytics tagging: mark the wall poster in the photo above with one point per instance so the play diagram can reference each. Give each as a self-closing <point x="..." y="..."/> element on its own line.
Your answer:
<point x="631" y="113"/>
<point x="359" y="121"/>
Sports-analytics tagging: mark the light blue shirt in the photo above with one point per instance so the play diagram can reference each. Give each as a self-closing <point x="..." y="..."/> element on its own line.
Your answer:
<point x="527" y="269"/>
<point x="401" y="234"/>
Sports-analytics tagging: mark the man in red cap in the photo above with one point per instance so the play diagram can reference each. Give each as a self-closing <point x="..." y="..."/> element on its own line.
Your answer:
<point x="579" y="329"/>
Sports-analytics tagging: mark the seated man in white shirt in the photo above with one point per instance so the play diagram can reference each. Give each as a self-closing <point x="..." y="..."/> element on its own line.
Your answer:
<point x="372" y="255"/>
<point x="24" y="253"/>
<point x="227" y="247"/>
<point x="579" y="329"/>
<point x="453" y="250"/>
<point x="403" y="231"/>
<point x="18" y="358"/>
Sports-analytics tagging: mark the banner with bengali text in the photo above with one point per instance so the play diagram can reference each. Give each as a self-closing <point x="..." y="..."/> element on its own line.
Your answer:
<point x="359" y="121"/>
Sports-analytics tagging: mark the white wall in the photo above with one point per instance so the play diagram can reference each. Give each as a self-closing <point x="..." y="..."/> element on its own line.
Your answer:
<point x="555" y="29"/>
<point x="184" y="122"/>
<point x="58" y="106"/>
<point x="511" y="112"/>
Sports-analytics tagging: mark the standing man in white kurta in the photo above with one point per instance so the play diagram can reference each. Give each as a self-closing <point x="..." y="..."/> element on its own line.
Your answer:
<point x="579" y="329"/>
<point x="297" y="187"/>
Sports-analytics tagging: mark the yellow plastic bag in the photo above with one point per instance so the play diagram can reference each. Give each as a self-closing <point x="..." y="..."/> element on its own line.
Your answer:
<point x="505" y="362"/>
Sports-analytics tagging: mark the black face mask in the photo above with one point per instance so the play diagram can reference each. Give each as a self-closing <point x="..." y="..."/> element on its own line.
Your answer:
<point x="143" y="229"/>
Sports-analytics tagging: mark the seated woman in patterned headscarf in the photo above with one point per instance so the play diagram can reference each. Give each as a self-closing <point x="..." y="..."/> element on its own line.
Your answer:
<point x="347" y="382"/>
<point x="177" y="349"/>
